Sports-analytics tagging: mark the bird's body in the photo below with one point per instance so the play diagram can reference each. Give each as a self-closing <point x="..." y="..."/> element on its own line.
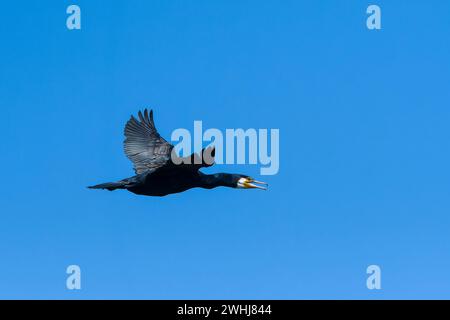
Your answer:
<point x="160" y="172"/>
<point x="166" y="183"/>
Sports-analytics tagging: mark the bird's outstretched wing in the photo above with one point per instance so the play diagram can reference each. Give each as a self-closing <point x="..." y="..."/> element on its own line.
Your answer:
<point x="195" y="162"/>
<point x="143" y="144"/>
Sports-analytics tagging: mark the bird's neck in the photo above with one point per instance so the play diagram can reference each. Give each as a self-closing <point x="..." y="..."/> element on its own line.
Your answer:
<point x="209" y="181"/>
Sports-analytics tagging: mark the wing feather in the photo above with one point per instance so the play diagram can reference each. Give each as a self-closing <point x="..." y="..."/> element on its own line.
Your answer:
<point x="143" y="145"/>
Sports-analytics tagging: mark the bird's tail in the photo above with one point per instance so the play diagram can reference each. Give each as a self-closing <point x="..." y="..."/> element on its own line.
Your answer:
<point x="109" y="186"/>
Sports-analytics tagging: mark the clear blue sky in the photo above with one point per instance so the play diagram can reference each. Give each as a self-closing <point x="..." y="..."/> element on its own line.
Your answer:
<point x="364" y="165"/>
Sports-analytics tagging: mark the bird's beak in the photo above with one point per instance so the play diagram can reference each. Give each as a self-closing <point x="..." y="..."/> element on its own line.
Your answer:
<point x="250" y="183"/>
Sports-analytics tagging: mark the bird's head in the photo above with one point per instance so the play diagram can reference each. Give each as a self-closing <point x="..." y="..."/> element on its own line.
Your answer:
<point x="231" y="180"/>
<point x="247" y="182"/>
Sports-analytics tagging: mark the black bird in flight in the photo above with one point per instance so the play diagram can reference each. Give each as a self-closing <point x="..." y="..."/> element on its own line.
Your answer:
<point x="159" y="171"/>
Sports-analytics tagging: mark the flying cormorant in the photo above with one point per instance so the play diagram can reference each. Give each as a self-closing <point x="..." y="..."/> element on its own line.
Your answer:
<point x="159" y="172"/>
